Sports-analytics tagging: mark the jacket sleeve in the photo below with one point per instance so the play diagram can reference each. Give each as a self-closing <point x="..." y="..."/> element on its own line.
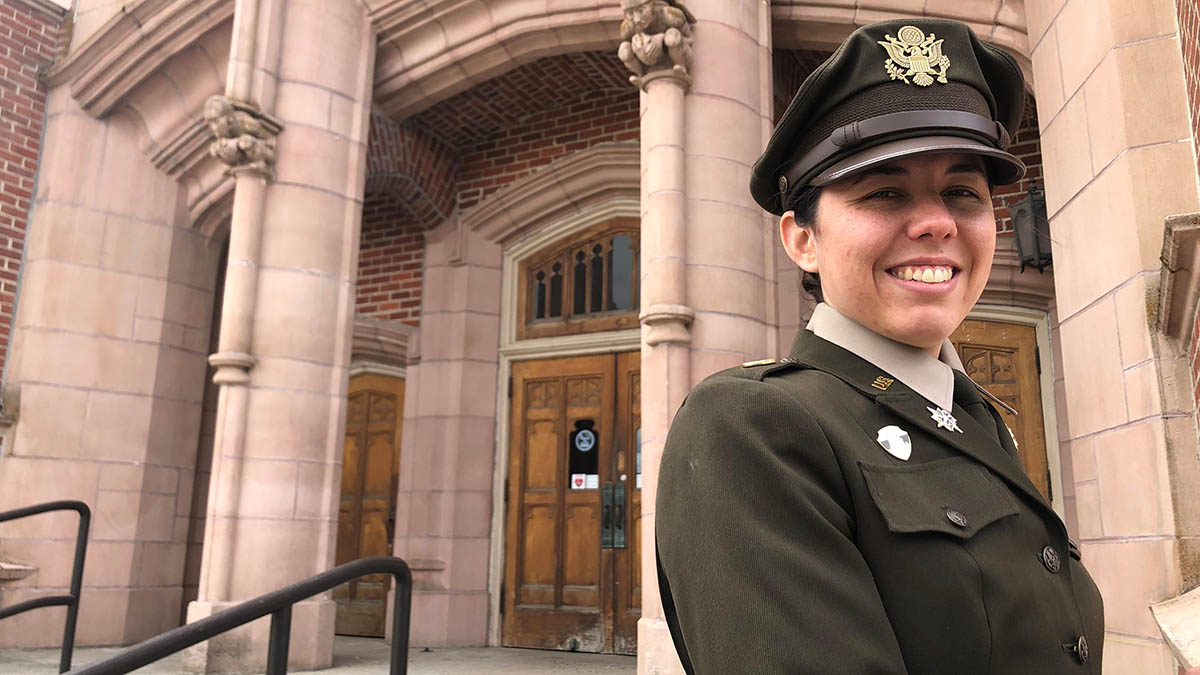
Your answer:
<point x="755" y="537"/>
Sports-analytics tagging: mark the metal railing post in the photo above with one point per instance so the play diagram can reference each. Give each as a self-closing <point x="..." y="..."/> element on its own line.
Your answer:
<point x="279" y="605"/>
<point x="281" y="635"/>
<point x="70" y="601"/>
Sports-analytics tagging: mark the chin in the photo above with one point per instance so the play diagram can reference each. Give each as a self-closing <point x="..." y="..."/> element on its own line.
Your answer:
<point x="925" y="335"/>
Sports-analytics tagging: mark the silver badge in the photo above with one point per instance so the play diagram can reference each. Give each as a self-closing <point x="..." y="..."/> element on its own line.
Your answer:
<point x="896" y="441"/>
<point x="944" y="419"/>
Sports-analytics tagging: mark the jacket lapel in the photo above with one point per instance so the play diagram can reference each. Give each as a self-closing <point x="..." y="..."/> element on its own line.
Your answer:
<point x="975" y="442"/>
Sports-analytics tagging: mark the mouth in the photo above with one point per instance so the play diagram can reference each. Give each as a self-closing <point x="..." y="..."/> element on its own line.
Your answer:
<point x="926" y="274"/>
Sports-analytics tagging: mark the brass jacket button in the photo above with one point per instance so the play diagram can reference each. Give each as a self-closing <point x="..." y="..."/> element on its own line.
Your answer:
<point x="956" y="517"/>
<point x="1051" y="560"/>
<point x="1081" y="649"/>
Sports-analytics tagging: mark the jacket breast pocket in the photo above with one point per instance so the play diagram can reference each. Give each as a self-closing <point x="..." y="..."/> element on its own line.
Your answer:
<point x="954" y="496"/>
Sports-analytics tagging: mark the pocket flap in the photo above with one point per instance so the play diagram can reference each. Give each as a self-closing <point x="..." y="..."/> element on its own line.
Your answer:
<point x="955" y="496"/>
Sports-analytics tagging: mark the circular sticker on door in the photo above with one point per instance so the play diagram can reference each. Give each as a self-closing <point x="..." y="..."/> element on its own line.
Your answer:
<point x="585" y="439"/>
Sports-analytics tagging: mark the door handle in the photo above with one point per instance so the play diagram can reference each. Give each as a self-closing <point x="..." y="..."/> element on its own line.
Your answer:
<point x="606" y="521"/>
<point x="618" y="500"/>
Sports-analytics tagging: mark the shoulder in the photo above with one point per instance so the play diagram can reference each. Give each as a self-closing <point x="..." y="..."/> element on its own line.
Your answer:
<point x="784" y="380"/>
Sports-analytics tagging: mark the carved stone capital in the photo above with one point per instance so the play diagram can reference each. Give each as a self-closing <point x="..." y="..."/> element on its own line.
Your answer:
<point x="245" y="136"/>
<point x="232" y="367"/>
<point x="668" y="323"/>
<point x="656" y="39"/>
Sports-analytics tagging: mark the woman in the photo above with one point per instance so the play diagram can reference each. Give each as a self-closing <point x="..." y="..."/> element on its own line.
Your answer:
<point x="858" y="507"/>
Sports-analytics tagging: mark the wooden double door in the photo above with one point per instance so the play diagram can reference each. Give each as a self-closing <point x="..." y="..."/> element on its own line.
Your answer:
<point x="572" y="577"/>
<point x="1003" y="357"/>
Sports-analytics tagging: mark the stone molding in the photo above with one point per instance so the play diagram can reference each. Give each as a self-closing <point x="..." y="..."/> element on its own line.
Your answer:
<point x="376" y="341"/>
<point x="656" y="40"/>
<point x="232" y="367"/>
<point x="556" y="191"/>
<point x="53" y="9"/>
<point x="803" y="24"/>
<point x="668" y="324"/>
<point x="245" y="136"/>
<point x="131" y="46"/>
<point x="432" y="50"/>
<point x="1179" y="284"/>
<point x="1008" y="286"/>
<point x="10" y="571"/>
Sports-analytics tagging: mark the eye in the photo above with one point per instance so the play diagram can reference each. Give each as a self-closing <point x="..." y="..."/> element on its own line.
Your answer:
<point x="885" y="193"/>
<point x="961" y="192"/>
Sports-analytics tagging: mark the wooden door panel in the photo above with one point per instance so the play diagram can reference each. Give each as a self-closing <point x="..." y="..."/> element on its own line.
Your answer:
<point x="1003" y="358"/>
<point x="581" y="561"/>
<point x="367" y="504"/>
<point x="542" y="449"/>
<point x="554" y="571"/>
<point x="627" y="591"/>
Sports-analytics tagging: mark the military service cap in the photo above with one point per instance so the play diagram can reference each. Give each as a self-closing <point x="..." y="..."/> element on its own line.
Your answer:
<point x="895" y="88"/>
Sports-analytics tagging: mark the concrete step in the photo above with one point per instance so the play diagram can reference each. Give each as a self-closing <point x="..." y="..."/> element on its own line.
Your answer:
<point x="363" y="656"/>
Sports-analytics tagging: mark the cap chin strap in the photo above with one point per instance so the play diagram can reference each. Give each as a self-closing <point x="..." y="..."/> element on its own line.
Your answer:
<point x="909" y="123"/>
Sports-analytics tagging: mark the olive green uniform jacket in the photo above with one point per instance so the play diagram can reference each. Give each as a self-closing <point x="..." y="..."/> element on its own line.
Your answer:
<point x="789" y="541"/>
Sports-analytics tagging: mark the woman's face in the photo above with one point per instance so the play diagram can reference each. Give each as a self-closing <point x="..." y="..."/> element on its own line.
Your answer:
<point x="904" y="248"/>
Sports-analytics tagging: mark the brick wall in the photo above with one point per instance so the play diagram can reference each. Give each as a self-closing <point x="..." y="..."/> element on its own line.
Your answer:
<point x="29" y="41"/>
<point x="1188" y="13"/>
<point x="531" y="116"/>
<point x="390" y="262"/>
<point x="514" y="152"/>
<point x="1027" y="145"/>
<point x="465" y="148"/>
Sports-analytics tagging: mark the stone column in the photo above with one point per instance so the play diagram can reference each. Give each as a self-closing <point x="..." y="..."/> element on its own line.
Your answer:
<point x="444" y="503"/>
<point x="1118" y="158"/>
<point x="708" y="277"/>
<point x="288" y="312"/>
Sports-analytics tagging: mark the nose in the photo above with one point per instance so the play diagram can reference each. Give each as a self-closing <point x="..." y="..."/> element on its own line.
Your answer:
<point x="931" y="218"/>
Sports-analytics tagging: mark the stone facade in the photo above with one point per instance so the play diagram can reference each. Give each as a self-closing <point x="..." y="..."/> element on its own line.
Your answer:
<point x="189" y="313"/>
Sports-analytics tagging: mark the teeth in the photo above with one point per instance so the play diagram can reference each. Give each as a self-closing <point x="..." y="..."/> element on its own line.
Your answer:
<point x="929" y="275"/>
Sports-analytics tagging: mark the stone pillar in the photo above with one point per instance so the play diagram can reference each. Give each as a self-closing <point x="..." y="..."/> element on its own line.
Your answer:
<point x="708" y="269"/>
<point x="284" y="346"/>
<point x="444" y="505"/>
<point x="105" y="377"/>
<point x="1118" y="158"/>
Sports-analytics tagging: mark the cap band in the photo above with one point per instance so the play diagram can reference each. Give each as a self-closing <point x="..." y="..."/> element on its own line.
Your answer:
<point x="943" y="122"/>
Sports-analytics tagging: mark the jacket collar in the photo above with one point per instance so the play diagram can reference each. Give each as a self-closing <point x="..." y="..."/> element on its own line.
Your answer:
<point x="931" y="378"/>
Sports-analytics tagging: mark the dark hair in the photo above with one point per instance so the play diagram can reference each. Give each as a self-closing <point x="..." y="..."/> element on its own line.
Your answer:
<point x="803" y="203"/>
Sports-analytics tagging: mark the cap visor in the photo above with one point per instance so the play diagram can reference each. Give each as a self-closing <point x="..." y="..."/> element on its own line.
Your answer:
<point x="1003" y="168"/>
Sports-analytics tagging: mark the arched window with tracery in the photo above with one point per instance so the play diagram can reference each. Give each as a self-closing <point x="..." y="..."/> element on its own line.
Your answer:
<point x="582" y="284"/>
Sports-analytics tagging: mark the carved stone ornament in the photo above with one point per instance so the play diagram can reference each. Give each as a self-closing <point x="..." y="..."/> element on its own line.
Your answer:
<point x="245" y="136"/>
<point x="656" y="39"/>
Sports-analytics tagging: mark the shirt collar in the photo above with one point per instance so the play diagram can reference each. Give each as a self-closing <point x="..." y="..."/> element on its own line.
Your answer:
<point x="931" y="378"/>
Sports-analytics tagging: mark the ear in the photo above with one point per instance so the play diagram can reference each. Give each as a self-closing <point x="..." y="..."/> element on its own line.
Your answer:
<point x="800" y="243"/>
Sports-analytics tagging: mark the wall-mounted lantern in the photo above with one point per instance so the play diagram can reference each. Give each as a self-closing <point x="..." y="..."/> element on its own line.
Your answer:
<point x="1032" y="229"/>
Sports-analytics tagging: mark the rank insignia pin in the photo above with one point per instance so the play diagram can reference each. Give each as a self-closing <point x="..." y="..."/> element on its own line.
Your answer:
<point x="944" y="419"/>
<point x="896" y="441"/>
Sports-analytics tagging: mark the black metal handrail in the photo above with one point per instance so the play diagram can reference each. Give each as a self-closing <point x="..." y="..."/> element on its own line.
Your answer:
<point x="71" y="600"/>
<point x="279" y="605"/>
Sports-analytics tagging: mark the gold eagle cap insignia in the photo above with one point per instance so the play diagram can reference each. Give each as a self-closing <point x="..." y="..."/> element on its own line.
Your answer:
<point x="912" y="54"/>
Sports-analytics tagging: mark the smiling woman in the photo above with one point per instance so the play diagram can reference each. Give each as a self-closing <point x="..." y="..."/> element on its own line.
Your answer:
<point x="858" y="507"/>
<point x="908" y="246"/>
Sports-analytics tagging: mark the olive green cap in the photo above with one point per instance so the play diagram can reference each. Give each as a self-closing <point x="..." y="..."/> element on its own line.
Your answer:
<point x="894" y="89"/>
